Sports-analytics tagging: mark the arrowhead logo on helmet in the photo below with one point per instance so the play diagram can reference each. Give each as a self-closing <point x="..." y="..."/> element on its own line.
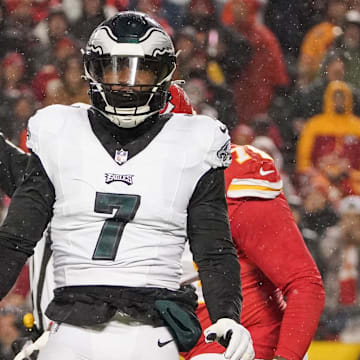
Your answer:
<point x="129" y="61"/>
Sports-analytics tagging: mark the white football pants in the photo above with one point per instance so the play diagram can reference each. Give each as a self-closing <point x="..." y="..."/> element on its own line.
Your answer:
<point x="116" y="340"/>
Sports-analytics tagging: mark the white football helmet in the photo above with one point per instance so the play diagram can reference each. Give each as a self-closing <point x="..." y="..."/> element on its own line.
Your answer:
<point x="129" y="61"/>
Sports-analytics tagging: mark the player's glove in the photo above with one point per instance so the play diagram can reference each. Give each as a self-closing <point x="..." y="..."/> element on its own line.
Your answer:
<point x="20" y="344"/>
<point x="32" y="347"/>
<point x="234" y="336"/>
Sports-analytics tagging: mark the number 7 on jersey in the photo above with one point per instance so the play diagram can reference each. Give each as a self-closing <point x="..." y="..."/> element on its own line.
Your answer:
<point x="111" y="232"/>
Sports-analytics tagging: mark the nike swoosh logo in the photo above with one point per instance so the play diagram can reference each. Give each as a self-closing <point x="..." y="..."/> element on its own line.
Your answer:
<point x="161" y="344"/>
<point x="223" y="129"/>
<point x="265" y="172"/>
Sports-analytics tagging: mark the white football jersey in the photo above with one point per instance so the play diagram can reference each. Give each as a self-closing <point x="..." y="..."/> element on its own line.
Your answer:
<point x="122" y="225"/>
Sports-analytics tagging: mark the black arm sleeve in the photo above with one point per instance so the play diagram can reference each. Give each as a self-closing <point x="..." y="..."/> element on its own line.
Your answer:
<point x="29" y="213"/>
<point x="213" y="249"/>
<point x="12" y="166"/>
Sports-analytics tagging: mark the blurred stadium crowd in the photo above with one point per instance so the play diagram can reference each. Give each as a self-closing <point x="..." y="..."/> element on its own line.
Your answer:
<point x="283" y="75"/>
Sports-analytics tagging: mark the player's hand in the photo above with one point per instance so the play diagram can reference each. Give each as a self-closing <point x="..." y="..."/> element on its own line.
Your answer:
<point x="240" y="346"/>
<point x="29" y="348"/>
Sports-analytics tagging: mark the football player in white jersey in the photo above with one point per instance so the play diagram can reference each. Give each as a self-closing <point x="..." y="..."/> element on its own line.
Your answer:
<point x="122" y="188"/>
<point x="13" y="163"/>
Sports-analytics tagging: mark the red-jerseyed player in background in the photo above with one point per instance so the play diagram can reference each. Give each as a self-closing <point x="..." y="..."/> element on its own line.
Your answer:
<point x="275" y="262"/>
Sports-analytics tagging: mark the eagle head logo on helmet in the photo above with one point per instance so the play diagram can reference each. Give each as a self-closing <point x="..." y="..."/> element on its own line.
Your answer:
<point x="129" y="61"/>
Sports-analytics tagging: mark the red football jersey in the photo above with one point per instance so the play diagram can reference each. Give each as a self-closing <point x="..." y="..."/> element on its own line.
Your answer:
<point x="274" y="262"/>
<point x="273" y="258"/>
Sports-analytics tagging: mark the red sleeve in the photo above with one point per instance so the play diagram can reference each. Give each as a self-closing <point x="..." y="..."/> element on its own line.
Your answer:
<point x="278" y="249"/>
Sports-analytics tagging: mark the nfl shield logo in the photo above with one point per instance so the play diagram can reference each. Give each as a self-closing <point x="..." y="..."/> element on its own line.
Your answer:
<point x="121" y="156"/>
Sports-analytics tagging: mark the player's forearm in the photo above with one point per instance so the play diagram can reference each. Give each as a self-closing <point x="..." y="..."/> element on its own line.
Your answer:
<point x="221" y="287"/>
<point x="305" y="302"/>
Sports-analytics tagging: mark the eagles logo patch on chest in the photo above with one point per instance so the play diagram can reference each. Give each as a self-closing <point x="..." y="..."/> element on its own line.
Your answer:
<point x="127" y="179"/>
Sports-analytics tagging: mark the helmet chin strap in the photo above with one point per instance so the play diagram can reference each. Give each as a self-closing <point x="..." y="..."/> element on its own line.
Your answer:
<point x="127" y="121"/>
<point x="125" y="112"/>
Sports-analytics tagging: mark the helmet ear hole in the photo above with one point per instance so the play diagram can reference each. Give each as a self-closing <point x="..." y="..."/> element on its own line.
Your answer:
<point x="119" y="59"/>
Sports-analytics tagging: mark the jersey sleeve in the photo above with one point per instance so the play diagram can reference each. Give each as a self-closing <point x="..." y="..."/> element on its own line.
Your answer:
<point x="252" y="173"/>
<point x="33" y="134"/>
<point x="44" y="127"/>
<point x="44" y="135"/>
<point x="219" y="154"/>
